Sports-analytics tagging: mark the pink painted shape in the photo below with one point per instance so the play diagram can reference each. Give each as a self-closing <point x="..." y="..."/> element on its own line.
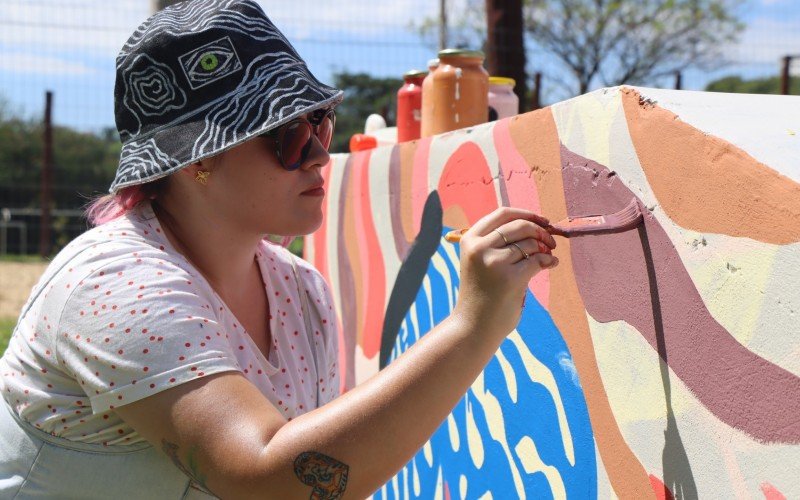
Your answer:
<point x="373" y="284"/>
<point x="770" y="492"/>
<point x="522" y="193"/>
<point x="419" y="181"/>
<point x="660" y="489"/>
<point x="466" y="182"/>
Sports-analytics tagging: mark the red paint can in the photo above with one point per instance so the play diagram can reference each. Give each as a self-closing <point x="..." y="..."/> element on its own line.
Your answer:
<point x="409" y="106"/>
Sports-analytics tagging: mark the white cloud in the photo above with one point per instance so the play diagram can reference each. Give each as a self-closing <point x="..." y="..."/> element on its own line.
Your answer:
<point x="19" y="62"/>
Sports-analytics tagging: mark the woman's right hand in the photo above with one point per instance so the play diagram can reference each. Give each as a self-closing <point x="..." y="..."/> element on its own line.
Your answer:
<point x="495" y="272"/>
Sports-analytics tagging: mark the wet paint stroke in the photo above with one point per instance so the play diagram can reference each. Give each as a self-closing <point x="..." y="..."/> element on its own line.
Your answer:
<point x="624" y="377"/>
<point x="612" y="274"/>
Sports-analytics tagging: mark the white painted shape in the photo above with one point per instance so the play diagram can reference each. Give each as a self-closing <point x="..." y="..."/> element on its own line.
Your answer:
<point x="380" y="201"/>
<point x="761" y="125"/>
<point x="427" y="451"/>
<point x="332" y="236"/>
<point x="508" y="375"/>
<point x="452" y="432"/>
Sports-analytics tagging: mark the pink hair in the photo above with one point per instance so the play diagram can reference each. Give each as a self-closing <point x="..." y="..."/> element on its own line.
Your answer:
<point x="112" y="206"/>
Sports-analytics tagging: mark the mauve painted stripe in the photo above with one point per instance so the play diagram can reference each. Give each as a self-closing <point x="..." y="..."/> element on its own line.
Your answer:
<point x="638" y="277"/>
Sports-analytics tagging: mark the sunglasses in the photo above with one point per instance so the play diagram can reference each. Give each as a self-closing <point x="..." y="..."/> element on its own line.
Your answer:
<point x="294" y="140"/>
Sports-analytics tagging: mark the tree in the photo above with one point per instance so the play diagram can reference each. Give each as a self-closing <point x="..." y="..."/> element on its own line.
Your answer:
<point x="735" y="84"/>
<point x="613" y="42"/>
<point x="619" y="41"/>
<point x="363" y="95"/>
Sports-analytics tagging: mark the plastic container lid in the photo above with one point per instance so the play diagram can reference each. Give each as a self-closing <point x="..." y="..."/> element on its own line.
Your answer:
<point x="461" y="53"/>
<point x="501" y="80"/>
<point x="414" y="73"/>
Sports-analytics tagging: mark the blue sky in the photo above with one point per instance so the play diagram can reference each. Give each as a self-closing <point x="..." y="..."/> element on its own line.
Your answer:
<point x="69" y="46"/>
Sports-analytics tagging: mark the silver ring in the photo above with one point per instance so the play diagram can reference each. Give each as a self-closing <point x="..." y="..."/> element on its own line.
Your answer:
<point x="524" y="254"/>
<point x="503" y="236"/>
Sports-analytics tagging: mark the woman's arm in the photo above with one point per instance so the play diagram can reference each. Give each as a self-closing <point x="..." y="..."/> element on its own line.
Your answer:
<point x="228" y="437"/>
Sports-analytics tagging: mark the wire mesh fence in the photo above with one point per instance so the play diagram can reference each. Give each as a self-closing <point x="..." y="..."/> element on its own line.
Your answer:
<point x="69" y="47"/>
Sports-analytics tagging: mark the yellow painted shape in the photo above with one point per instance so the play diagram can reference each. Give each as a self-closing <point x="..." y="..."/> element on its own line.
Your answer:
<point x="531" y="462"/>
<point x="584" y="127"/>
<point x="540" y="374"/>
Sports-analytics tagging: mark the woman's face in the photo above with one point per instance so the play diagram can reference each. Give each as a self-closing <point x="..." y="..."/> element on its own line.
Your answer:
<point x="249" y="186"/>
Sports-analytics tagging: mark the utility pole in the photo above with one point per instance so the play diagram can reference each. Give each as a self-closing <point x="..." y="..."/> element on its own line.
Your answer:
<point x="47" y="174"/>
<point x="442" y="24"/>
<point x="505" y="46"/>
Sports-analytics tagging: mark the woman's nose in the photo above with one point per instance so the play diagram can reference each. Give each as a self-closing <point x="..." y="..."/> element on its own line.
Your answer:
<point x="318" y="156"/>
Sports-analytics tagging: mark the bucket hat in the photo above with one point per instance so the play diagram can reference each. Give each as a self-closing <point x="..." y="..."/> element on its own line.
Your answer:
<point x="201" y="77"/>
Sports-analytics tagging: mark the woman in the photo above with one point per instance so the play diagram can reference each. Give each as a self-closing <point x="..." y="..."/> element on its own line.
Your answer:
<point x="172" y="351"/>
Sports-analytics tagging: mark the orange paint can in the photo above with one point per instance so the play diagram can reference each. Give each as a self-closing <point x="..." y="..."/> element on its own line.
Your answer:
<point x="460" y="91"/>
<point x="409" y="106"/>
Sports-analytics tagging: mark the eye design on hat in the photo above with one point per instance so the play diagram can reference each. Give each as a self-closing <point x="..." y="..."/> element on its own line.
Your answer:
<point x="210" y="62"/>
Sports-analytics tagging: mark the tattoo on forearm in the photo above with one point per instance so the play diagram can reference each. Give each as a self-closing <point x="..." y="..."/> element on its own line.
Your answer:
<point x="327" y="476"/>
<point x="192" y="471"/>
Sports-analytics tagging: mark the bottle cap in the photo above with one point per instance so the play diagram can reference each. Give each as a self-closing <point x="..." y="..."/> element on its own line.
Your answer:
<point x="501" y="80"/>
<point x="460" y="53"/>
<point x="414" y="73"/>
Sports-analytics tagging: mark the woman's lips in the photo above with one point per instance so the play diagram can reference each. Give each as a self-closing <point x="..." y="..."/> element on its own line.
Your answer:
<point x="320" y="191"/>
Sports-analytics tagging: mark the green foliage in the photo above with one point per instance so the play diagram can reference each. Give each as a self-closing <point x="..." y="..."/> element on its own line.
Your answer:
<point x="6" y="329"/>
<point x="83" y="163"/>
<point x="736" y="85"/>
<point x="363" y="95"/>
<point x="612" y="42"/>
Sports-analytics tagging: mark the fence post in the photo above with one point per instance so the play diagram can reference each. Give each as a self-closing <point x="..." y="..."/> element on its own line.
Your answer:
<point x="787" y="62"/>
<point x="536" y="102"/>
<point x="47" y="173"/>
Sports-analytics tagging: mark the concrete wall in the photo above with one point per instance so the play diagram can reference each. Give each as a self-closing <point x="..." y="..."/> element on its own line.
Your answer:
<point x="656" y="363"/>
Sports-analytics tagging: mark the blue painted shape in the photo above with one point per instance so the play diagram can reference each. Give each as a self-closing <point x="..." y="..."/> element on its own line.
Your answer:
<point x="533" y="415"/>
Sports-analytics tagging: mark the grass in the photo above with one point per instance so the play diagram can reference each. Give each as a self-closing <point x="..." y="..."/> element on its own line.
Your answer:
<point x="23" y="258"/>
<point x="6" y="328"/>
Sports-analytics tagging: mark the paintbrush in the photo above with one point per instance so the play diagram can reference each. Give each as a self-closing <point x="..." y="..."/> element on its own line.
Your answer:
<point x="627" y="218"/>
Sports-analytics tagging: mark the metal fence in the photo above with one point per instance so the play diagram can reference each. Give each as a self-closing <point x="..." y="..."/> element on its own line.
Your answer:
<point x="69" y="47"/>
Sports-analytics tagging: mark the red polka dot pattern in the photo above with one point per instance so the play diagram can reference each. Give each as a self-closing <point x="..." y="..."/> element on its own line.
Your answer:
<point x="136" y="311"/>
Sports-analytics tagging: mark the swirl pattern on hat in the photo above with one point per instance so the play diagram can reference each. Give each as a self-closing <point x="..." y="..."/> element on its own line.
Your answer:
<point x="201" y="77"/>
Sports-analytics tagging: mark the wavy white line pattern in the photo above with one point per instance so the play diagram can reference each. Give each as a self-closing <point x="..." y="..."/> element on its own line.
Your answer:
<point x="192" y="115"/>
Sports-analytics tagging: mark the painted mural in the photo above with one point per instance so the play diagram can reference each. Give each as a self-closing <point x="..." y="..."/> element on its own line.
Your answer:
<point x="661" y="362"/>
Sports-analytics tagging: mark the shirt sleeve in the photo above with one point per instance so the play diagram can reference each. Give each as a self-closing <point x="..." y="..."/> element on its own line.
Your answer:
<point x="139" y="326"/>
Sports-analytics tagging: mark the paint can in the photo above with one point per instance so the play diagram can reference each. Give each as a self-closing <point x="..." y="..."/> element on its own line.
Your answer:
<point x="503" y="102"/>
<point x="460" y="91"/>
<point x="409" y="106"/>
<point x="427" y="99"/>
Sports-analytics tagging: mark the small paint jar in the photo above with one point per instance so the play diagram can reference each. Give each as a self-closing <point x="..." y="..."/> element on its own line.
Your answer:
<point x="460" y="91"/>
<point x="503" y="102"/>
<point x="427" y="99"/>
<point x="409" y="106"/>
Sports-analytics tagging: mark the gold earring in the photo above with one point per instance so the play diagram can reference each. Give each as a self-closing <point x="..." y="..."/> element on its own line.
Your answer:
<point x="202" y="176"/>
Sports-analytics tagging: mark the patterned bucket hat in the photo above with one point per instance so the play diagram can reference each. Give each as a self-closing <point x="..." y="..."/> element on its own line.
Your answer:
<point x="200" y="77"/>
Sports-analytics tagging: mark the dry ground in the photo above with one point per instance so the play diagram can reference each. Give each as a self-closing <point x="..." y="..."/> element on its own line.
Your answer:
<point x="16" y="281"/>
